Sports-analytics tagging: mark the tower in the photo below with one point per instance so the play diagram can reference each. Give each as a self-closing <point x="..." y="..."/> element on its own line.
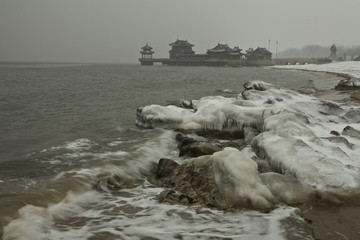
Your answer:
<point x="333" y="52"/>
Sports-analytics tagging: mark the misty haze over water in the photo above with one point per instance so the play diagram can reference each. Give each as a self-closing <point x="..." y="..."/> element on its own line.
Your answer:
<point x="92" y="31"/>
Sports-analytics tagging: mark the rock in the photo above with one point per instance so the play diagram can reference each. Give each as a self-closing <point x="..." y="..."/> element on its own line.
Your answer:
<point x="341" y="140"/>
<point x="187" y="104"/>
<point x="352" y="132"/>
<point x="179" y="137"/>
<point x="353" y="114"/>
<point x="257" y="85"/>
<point x="186" y="141"/>
<point x="164" y="167"/>
<point x="331" y="108"/>
<point x="335" y="133"/>
<point x="196" y="149"/>
<point x="188" y="185"/>
<point x="224" y="135"/>
<point x="173" y="197"/>
<point x="225" y="180"/>
<point x="348" y="84"/>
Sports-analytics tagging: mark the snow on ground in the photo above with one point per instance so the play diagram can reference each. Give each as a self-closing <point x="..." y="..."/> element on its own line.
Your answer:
<point x="349" y="68"/>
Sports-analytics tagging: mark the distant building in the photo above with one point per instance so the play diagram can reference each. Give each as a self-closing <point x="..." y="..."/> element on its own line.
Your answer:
<point x="180" y="47"/>
<point x="333" y="52"/>
<point x="146" y="52"/>
<point x="258" y="54"/>
<point x="146" y="55"/>
<point x="223" y="51"/>
<point x="181" y="54"/>
<point x="357" y="58"/>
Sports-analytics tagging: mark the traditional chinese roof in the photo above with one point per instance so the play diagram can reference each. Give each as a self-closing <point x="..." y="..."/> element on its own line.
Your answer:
<point x="147" y="49"/>
<point x="147" y="52"/>
<point x="262" y="50"/>
<point x="220" y="48"/>
<point x="184" y="43"/>
<point x="224" y="48"/>
<point x="258" y="51"/>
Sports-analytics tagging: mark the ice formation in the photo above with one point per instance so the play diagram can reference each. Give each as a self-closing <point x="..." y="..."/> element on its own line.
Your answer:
<point x="296" y="138"/>
<point x="237" y="176"/>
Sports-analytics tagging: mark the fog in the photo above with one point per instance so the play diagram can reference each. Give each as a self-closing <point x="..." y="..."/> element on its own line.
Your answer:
<point x="113" y="31"/>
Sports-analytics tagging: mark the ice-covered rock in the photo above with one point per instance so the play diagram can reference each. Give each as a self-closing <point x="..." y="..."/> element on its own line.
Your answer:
<point x="226" y="179"/>
<point x="237" y="178"/>
<point x="292" y="135"/>
<point x="209" y="113"/>
<point x="348" y="84"/>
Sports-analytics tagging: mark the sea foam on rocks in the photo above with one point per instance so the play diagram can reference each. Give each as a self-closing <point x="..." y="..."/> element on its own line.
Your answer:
<point x="295" y="137"/>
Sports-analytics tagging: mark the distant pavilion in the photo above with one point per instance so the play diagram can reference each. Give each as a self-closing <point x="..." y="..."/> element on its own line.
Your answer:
<point x="146" y="53"/>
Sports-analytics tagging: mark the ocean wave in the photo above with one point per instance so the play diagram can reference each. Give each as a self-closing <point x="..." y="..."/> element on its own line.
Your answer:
<point x="135" y="213"/>
<point x="71" y="192"/>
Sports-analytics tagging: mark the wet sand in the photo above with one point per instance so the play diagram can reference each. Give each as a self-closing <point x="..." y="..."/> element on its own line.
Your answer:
<point x="334" y="222"/>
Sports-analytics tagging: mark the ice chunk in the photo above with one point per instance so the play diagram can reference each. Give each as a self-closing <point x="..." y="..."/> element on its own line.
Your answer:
<point x="211" y="113"/>
<point x="237" y="177"/>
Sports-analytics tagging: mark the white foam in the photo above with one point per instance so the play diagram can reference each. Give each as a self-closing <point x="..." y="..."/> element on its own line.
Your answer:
<point x="115" y="143"/>
<point x="137" y="215"/>
<point x="34" y="222"/>
<point x="76" y="145"/>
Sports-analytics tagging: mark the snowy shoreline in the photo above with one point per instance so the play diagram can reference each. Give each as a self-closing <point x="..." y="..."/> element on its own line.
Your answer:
<point x="342" y="88"/>
<point x="344" y="69"/>
<point x="296" y="150"/>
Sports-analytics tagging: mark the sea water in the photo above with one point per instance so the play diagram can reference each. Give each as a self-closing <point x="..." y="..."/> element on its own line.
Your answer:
<point x="73" y="164"/>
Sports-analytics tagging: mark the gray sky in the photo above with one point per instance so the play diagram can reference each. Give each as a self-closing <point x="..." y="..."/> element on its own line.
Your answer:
<point x="115" y="30"/>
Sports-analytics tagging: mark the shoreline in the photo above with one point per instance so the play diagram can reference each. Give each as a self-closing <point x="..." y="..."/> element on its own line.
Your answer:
<point x="333" y="221"/>
<point x="325" y="90"/>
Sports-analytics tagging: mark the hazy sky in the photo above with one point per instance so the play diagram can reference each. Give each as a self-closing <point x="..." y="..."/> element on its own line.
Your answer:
<point x="115" y="30"/>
